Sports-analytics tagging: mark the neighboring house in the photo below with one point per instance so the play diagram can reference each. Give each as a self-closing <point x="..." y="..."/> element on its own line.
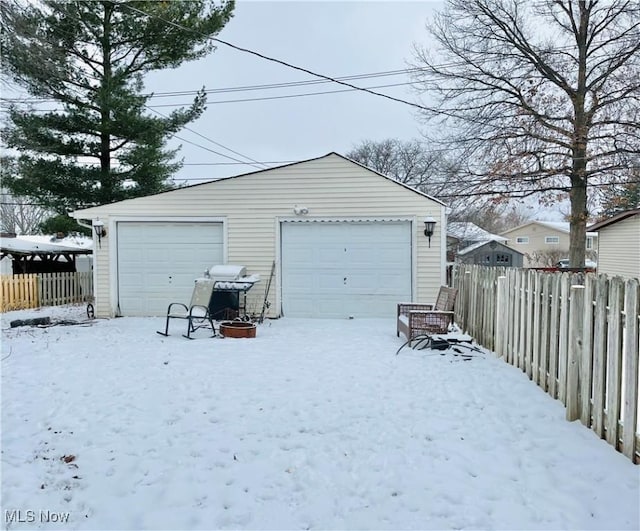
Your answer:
<point x="346" y="240"/>
<point x="545" y="243"/>
<point x="619" y="244"/>
<point x="462" y="234"/>
<point x="490" y="253"/>
<point x="44" y="254"/>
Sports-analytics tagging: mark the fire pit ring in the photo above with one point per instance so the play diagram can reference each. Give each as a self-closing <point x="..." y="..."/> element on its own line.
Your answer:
<point x="237" y="329"/>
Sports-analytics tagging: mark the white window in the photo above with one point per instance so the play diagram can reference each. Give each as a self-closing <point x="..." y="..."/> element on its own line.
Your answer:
<point x="522" y="239"/>
<point x="589" y="242"/>
<point x="553" y="240"/>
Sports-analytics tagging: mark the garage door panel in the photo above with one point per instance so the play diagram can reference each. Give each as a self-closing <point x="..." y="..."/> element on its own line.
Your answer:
<point x="339" y="269"/>
<point x="159" y="261"/>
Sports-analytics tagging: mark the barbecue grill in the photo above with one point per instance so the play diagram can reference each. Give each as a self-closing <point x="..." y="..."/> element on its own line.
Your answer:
<point x="229" y="295"/>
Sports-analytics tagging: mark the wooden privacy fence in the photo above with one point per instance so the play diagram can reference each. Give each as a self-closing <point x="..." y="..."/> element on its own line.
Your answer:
<point x="19" y="292"/>
<point x="575" y="335"/>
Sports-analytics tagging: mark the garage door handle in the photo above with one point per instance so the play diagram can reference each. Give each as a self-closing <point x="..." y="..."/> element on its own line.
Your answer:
<point x="345" y="281"/>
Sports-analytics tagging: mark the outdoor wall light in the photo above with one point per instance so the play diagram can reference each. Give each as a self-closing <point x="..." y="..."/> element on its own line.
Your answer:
<point x="429" y="226"/>
<point x="100" y="231"/>
<point x="300" y="211"/>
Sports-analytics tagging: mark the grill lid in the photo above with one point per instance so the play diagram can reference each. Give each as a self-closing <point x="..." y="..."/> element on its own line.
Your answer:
<point x="227" y="272"/>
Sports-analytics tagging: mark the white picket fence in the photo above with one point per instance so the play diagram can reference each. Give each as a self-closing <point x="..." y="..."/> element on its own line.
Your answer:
<point x="575" y="335"/>
<point x="19" y="292"/>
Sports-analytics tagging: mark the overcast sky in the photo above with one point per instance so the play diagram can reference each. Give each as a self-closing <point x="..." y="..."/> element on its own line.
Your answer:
<point x="333" y="38"/>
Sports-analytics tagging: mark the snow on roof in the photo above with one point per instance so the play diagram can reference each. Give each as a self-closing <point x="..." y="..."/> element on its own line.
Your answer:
<point x="47" y="244"/>
<point x="477" y="245"/>
<point x="561" y="226"/>
<point x="465" y="230"/>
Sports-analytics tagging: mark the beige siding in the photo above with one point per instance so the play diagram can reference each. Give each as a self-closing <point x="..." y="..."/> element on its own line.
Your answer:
<point x="330" y="187"/>
<point x="619" y="248"/>
<point x="535" y="250"/>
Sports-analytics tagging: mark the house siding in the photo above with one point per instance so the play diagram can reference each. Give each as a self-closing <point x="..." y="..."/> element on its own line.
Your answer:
<point x="253" y="206"/>
<point x="619" y="248"/>
<point x="536" y="234"/>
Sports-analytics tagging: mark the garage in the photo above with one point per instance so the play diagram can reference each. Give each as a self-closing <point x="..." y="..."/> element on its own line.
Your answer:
<point x="341" y="269"/>
<point x="159" y="261"/>
<point x="346" y="241"/>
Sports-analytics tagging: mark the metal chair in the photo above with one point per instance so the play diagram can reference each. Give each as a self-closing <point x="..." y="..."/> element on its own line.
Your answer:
<point x="197" y="313"/>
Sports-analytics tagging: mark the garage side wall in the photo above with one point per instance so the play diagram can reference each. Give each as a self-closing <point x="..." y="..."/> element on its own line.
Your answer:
<point x="253" y="205"/>
<point x="619" y="248"/>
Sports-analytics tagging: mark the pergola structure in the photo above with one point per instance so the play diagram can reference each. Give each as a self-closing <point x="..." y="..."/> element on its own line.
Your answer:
<point x="31" y="257"/>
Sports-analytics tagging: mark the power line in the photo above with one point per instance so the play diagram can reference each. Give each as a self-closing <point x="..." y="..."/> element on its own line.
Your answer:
<point x="262" y="98"/>
<point x="236" y="163"/>
<point x="255" y="164"/>
<point x="242" y="88"/>
<point x="306" y="70"/>
<point x="282" y="97"/>
<point x="279" y="61"/>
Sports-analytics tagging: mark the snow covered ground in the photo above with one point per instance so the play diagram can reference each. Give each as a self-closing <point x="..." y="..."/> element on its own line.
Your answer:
<point x="314" y="424"/>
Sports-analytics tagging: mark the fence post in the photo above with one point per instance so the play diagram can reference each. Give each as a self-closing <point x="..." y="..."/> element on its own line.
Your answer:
<point x="575" y="354"/>
<point x="586" y="363"/>
<point x="614" y="361"/>
<point x="630" y="401"/>
<point x="500" y="313"/>
<point x="600" y="318"/>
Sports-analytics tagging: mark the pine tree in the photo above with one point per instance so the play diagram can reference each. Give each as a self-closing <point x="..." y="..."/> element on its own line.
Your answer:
<point x="100" y="143"/>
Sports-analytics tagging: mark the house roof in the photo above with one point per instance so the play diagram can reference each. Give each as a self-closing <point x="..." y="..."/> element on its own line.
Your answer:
<point x="465" y="230"/>
<point x="83" y="213"/>
<point x="42" y="245"/>
<point x="614" y="219"/>
<point x="478" y="245"/>
<point x="560" y="226"/>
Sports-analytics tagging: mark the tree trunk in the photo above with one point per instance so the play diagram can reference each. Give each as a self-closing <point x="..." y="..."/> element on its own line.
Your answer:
<point x="578" y="222"/>
<point x="106" y="181"/>
<point x="578" y="193"/>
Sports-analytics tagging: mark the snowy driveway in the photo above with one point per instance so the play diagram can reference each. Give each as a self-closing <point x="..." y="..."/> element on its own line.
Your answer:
<point x="314" y="424"/>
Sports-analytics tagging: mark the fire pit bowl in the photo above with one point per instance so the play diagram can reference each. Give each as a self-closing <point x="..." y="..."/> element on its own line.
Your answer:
<point x="237" y="329"/>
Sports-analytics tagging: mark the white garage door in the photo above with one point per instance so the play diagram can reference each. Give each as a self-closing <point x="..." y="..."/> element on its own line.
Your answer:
<point x="158" y="263"/>
<point x="342" y="269"/>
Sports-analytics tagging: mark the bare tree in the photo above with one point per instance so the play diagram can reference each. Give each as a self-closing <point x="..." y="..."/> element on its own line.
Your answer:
<point x="536" y="96"/>
<point x="495" y="217"/>
<point x="19" y="216"/>
<point x="411" y="162"/>
<point x="407" y="161"/>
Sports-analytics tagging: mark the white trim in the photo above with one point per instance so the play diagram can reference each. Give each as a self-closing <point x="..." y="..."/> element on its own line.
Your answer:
<point x="443" y="248"/>
<point x="351" y="219"/>
<point x="113" y="246"/>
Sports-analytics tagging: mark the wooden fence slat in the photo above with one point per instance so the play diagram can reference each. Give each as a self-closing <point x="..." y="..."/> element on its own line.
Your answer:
<point x="544" y="331"/>
<point x="500" y="318"/>
<point x="563" y="345"/>
<point x="614" y="361"/>
<point x="535" y="346"/>
<point x="630" y="367"/>
<point x="554" y="336"/>
<point x="600" y="319"/>
<point x="586" y="361"/>
<point x="528" y="338"/>
<point x="575" y="352"/>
